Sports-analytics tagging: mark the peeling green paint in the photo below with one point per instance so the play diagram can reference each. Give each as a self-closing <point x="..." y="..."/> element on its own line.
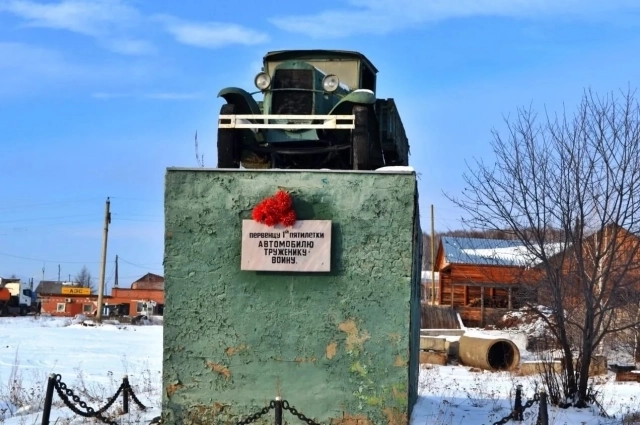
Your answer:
<point x="342" y="344"/>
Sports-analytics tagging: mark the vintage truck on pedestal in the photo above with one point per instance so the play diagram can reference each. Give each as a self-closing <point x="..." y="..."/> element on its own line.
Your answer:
<point x="319" y="111"/>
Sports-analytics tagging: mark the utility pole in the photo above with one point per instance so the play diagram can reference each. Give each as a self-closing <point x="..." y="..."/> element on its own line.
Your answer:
<point x="115" y="282"/>
<point x="107" y="220"/>
<point x="58" y="273"/>
<point x="433" y="275"/>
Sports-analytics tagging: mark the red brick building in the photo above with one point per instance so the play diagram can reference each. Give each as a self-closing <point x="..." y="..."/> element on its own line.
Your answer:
<point x="145" y="296"/>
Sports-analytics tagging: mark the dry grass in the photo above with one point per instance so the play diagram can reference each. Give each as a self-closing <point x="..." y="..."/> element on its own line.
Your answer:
<point x="19" y="401"/>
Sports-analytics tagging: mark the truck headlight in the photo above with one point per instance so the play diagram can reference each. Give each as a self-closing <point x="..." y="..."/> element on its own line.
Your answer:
<point x="330" y="83"/>
<point x="262" y="81"/>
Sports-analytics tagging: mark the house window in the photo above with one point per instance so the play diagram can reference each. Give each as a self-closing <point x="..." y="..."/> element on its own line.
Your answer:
<point x="60" y="307"/>
<point x="87" y="308"/>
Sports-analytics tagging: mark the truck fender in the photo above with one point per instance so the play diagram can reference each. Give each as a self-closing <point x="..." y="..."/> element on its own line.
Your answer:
<point x="244" y="103"/>
<point x="357" y="97"/>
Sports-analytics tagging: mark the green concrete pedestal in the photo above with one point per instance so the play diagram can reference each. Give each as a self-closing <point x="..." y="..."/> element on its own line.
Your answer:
<point x="341" y="346"/>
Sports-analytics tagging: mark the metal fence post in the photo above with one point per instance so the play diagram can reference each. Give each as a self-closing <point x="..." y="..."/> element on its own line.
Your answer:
<point x="125" y="394"/>
<point x="543" y="414"/>
<point x="517" y="407"/>
<point x="278" y="411"/>
<point x="48" y="398"/>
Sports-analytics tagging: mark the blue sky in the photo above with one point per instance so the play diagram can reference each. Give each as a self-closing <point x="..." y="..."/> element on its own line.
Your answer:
<point x="98" y="97"/>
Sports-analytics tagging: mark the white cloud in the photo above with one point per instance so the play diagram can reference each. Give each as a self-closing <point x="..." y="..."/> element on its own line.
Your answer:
<point x="114" y="24"/>
<point x="27" y="70"/>
<point x="94" y="18"/>
<point x="23" y="66"/>
<point x="211" y="34"/>
<point x="385" y="16"/>
<point x="108" y="21"/>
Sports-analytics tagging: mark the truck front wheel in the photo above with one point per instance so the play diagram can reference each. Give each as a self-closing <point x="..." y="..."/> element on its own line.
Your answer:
<point x="229" y="149"/>
<point x="360" y="143"/>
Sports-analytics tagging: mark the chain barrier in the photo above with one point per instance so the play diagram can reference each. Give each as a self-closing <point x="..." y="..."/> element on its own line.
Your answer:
<point x="518" y="411"/>
<point x="256" y="416"/>
<point x="135" y="398"/>
<point x="278" y="405"/>
<point x="294" y="412"/>
<point x="70" y="399"/>
<point x="64" y="392"/>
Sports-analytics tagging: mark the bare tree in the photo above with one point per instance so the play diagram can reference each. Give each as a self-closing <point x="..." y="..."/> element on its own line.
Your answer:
<point x="568" y="187"/>
<point x="85" y="280"/>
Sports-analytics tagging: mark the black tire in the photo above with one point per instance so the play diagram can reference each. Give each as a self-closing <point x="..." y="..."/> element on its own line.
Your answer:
<point x="360" y="139"/>
<point x="229" y="148"/>
<point x="23" y="311"/>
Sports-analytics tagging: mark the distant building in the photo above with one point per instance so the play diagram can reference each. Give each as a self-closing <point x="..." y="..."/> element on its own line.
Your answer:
<point x="53" y="287"/>
<point x="145" y="296"/>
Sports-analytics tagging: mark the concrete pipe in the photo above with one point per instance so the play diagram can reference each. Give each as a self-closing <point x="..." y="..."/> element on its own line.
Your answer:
<point x="488" y="353"/>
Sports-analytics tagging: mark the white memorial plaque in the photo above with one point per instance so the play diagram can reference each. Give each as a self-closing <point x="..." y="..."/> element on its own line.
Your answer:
<point x="303" y="247"/>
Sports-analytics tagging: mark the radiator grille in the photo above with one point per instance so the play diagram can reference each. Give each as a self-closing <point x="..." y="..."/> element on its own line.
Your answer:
<point x="292" y="102"/>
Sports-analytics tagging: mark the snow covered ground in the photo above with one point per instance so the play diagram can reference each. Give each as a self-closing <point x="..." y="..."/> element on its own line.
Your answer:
<point x="92" y="361"/>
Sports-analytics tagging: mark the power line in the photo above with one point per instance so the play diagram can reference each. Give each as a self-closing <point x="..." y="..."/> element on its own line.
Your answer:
<point x="46" y="218"/>
<point x="138" y="199"/>
<point x="138" y="265"/>
<point x="13" y="207"/>
<point x="128" y="277"/>
<point x="40" y="260"/>
<point x="113" y="271"/>
<point x="138" y="215"/>
<point x="24" y="228"/>
<point x="14" y="229"/>
<point x="135" y="219"/>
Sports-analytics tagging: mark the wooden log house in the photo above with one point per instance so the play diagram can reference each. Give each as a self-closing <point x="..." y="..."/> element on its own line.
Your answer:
<point x="480" y="278"/>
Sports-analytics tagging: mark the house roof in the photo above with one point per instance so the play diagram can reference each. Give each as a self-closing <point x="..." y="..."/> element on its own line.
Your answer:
<point x="493" y="252"/>
<point x="149" y="281"/>
<point x="49" y="287"/>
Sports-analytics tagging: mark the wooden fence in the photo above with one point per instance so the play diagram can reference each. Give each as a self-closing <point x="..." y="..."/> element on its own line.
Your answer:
<point x="439" y="317"/>
<point x="473" y="317"/>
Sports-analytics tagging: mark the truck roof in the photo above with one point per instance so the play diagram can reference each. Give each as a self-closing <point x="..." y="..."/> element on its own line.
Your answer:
<point x="282" y="55"/>
<point x="4" y="280"/>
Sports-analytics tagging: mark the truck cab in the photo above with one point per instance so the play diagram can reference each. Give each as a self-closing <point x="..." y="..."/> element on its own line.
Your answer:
<point x="318" y="110"/>
<point x="15" y="297"/>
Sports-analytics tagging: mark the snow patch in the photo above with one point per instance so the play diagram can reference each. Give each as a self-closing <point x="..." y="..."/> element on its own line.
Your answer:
<point x="396" y="168"/>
